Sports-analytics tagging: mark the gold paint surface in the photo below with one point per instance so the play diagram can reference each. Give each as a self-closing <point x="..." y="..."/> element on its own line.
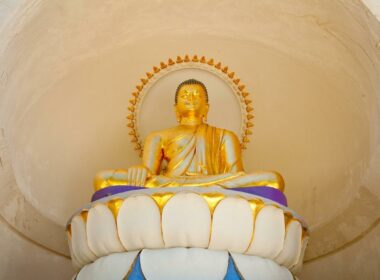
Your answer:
<point x="114" y="205"/>
<point x="161" y="199"/>
<point x="212" y="200"/>
<point x="288" y="217"/>
<point x="305" y="233"/>
<point x="256" y="205"/>
<point x="68" y="229"/>
<point x="84" y="215"/>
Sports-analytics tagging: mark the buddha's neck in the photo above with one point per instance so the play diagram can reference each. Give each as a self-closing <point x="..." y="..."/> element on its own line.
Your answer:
<point x="192" y="121"/>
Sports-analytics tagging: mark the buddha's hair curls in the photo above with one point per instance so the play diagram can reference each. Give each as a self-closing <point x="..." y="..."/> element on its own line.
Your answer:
<point x="190" y="82"/>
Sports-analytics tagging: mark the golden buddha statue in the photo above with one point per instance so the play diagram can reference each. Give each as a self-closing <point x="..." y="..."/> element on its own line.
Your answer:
<point x="190" y="154"/>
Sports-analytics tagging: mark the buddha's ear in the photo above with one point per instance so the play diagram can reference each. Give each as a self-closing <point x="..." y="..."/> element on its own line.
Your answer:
<point x="205" y="113"/>
<point x="206" y="109"/>
<point x="177" y="114"/>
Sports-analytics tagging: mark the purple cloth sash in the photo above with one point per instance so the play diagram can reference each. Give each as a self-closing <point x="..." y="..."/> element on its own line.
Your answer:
<point x="263" y="191"/>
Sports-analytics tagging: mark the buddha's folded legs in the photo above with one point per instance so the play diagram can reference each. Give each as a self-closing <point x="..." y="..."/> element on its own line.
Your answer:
<point x="110" y="178"/>
<point x="227" y="180"/>
<point x="262" y="178"/>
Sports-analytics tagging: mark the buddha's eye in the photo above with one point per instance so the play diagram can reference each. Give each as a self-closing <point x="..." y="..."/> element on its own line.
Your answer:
<point x="190" y="94"/>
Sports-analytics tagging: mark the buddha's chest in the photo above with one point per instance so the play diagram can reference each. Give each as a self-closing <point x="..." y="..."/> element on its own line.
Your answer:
<point x="183" y="145"/>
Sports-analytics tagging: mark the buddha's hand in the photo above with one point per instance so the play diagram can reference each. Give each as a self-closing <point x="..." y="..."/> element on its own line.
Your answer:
<point x="137" y="175"/>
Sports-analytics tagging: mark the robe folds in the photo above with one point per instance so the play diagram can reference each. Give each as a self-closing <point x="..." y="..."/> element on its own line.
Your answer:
<point x="203" y="153"/>
<point x="210" y="156"/>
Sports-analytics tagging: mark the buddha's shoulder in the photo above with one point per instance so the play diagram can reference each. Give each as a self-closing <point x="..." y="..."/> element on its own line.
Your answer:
<point x="225" y="133"/>
<point x="178" y="130"/>
<point x="222" y="130"/>
<point x="230" y="135"/>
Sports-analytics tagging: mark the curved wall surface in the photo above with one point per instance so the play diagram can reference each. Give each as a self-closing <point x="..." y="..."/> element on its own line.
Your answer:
<point x="67" y="70"/>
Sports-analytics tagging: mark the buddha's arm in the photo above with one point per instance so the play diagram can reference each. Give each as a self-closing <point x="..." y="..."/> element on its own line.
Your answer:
<point x="231" y="153"/>
<point x="152" y="155"/>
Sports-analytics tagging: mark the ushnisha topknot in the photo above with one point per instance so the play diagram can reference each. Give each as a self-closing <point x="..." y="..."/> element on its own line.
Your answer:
<point x="190" y="82"/>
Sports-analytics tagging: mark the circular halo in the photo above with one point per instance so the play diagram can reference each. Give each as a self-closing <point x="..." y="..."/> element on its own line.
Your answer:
<point x="154" y="96"/>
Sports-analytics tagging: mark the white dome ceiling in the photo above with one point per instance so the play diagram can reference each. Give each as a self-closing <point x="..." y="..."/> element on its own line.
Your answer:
<point x="68" y="68"/>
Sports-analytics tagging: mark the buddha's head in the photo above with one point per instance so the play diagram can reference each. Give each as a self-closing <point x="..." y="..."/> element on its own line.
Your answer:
<point x="191" y="100"/>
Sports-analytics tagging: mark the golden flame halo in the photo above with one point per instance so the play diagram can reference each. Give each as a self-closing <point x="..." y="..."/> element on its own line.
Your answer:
<point x="218" y="68"/>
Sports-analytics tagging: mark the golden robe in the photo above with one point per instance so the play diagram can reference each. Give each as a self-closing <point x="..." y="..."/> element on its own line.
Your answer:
<point x="209" y="156"/>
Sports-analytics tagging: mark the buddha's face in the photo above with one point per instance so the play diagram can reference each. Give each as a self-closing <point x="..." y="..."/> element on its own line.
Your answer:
<point x="192" y="100"/>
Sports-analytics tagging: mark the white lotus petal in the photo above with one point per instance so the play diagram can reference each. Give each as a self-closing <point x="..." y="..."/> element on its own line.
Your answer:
<point x="186" y="221"/>
<point x="101" y="231"/>
<point x="184" y="264"/>
<point x="112" y="267"/>
<point x="269" y="233"/>
<point x="298" y="266"/>
<point x="74" y="260"/>
<point x="232" y="225"/>
<point x="292" y="245"/>
<point x="79" y="243"/>
<point x="139" y="223"/>
<point x="257" y="268"/>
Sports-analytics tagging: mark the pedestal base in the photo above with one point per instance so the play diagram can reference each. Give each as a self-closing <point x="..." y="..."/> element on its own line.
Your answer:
<point x="186" y="233"/>
<point x="184" y="264"/>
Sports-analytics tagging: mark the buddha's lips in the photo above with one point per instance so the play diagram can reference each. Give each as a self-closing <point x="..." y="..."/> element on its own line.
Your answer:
<point x="262" y="191"/>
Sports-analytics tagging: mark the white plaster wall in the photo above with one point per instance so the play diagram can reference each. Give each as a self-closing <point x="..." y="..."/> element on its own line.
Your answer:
<point x="67" y="69"/>
<point x="360" y="260"/>
<point x="8" y="9"/>
<point x="22" y="259"/>
<point x="374" y="7"/>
